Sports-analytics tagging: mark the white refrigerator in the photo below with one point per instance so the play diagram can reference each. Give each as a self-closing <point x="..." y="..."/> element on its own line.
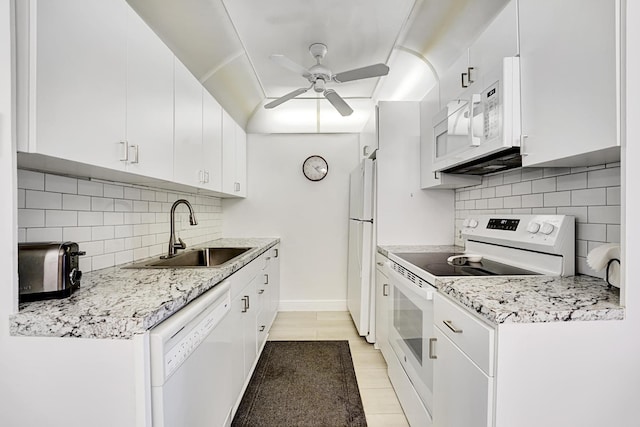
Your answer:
<point x="360" y="293"/>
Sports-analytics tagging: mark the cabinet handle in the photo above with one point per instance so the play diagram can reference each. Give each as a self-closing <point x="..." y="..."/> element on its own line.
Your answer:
<point x="245" y="304"/>
<point x="432" y="354"/>
<point x="201" y="176"/>
<point x="381" y="264"/>
<point x="385" y="290"/>
<point x="469" y="79"/>
<point x="135" y="153"/>
<point x="237" y="186"/>
<point x="449" y="325"/>
<point x="125" y="147"/>
<point x="262" y="327"/>
<point x="206" y="176"/>
<point x="266" y="279"/>
<point x="248" y="306"/>
<point x="276" y="253"/>
<point x="435" y="175"/>
<point x="261" y="291"/>
<point x="522" y="151"/>
<point x="462" y="83"/>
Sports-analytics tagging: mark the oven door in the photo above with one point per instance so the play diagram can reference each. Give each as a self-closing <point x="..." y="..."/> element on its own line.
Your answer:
<point x="411" y="331"/>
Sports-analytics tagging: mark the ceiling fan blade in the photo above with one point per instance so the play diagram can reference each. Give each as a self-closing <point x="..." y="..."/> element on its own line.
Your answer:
<point x="289" y="64"/>
<point x="337" y="101"/>
<point x="375" y="70"/>
<point x="287" y="97"/>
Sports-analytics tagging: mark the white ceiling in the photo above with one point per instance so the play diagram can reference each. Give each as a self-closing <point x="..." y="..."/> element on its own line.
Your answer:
<point x="226" y="44"/>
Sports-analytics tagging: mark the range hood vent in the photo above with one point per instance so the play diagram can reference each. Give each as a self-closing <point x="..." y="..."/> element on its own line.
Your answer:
<point x="497" y="162"/>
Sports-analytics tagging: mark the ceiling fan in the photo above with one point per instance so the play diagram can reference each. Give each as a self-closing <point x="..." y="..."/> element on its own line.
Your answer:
<point x="319" y="76"/>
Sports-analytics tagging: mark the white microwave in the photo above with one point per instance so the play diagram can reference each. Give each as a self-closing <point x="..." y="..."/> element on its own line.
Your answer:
<point x="480" y="133"/>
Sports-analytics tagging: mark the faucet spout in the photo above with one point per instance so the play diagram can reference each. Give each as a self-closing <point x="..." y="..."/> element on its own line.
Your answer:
<point x="179" y="244"/>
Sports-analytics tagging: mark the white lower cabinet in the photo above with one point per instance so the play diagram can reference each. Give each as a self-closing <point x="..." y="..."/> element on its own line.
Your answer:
<point x="382" y="307"/>
<point x="463" y="369"/>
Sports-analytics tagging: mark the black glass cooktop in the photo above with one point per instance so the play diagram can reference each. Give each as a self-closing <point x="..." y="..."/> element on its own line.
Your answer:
<point x="436" y="263"/>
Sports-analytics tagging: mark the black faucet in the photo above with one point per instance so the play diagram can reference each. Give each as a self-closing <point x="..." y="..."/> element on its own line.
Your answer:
<point x="173" y="245"/>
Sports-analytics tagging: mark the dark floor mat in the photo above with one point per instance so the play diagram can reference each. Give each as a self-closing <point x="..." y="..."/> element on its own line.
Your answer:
<point x="302" y="383"/>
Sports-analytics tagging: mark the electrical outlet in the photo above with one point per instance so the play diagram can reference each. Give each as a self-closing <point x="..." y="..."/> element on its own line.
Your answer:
<point x="459" y="234"/>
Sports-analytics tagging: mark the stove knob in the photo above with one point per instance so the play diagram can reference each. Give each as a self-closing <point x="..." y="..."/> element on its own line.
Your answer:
<point x="533" y="227"/>
<point x="465" y="223"/>
<point x="546" y="228"/>
<point x="473" y="223"/>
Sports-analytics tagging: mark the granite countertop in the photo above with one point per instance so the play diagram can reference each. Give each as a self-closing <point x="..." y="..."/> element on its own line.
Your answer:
<point x="530" y="299"/>
<point x="119" y="303"/>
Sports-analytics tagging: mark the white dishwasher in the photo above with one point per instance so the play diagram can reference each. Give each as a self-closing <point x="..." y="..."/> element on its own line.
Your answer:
<point x="191" y="364"/>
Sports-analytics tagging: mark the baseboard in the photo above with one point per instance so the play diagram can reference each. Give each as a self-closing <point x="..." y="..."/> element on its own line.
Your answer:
<point x="313" y="305"/>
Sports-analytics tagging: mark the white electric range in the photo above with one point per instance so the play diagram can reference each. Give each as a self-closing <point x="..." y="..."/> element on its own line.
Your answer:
<point x="494" y="245"/>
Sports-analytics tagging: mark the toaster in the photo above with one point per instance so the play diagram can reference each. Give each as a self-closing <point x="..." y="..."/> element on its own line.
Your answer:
<point x="48" y="270"/>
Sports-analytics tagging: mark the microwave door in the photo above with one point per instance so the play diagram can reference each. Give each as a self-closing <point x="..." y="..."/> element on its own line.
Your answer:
<point x="476" y="123"/>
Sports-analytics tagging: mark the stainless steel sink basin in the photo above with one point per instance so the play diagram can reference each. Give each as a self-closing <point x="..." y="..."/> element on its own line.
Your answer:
<point x="205" y="257"/>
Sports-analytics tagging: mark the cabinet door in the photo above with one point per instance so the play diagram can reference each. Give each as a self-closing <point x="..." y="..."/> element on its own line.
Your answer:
<point x="498" y="41"/>
<point x="382" y="311"/>
<point x="149" y="101"/>
<point x="568" y="59"/>
<point x="188" y="127"/>
<point x="241" y="161"/>
<point x="78" y="79"/>
<point x="274" y="280"/>
<point x="249" y="322"/>
<point x="228" y="154"/>
<point x="212" y="142"/>
<point x="235" y="320"/>
<point x="462" y="393"/>
<point x="451" y="83"/>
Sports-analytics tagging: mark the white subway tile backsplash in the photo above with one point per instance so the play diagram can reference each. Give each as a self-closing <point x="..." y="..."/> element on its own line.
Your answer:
<point x="30" y="218"/>
<point x="76" y="234"/>
<point x="613" y="233"/>
<point x="512" y="176"/>
<point x="102" y="204"/>
<point x="503" y="190"/>
<point x="579" y="212"/>
<point x="532" y="201"/>
<point x="61" y="218"/>
<point x="558" y="198"/>
<point x="613" y="196"/>
<point x="21" y="199"/>
<point x="609" y="177"/>
<point x="114" y="223"/>
<point x="470" y="204"/>
<point x="113" y="191"/>
<point x="102" y="232"/>
<point x="496" y="203"/>
<point x="543" y="211"/>
<point x="581" y="248"/>
<point x="529" y="174"/>
<point x="90" y="218"/>
<point x="604" y="214"/>
<point x="513" y="202"/>
<point x="53" y="234"/>
<point x="520" y="188"/>
<point x="482" y="204"/>
<point x="60" y="184"/>
<point x="73" y="202"/>
<point x="132" y="193"/>
<point x="90" y="188"/>
<point x="544" y="185"/>
<point x="494" y="180"/>
<point x="30" y="180"/>
<point x="475" y="193"/>
<point x="592" y="232"/>
<point x="572" y="181"/>
<point x="589" y="197"/>
<point x="555" y="171"/>
<point x="42" y="200"/>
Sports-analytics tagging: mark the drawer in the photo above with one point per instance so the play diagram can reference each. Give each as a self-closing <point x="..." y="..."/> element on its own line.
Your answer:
<point x="472" y="336"/>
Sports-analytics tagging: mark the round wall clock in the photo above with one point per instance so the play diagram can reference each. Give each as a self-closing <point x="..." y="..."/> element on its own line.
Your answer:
<point x="315" y="168"/>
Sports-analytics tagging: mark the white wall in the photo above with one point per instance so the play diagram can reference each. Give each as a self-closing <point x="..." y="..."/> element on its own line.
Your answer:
<point x="309" y="217"/>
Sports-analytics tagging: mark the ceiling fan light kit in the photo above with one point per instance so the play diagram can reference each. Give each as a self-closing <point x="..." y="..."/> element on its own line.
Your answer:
<point x="319" y="75"/>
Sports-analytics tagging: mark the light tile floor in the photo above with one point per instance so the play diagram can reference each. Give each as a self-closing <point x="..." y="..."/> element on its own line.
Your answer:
<point x="381" y="406"/>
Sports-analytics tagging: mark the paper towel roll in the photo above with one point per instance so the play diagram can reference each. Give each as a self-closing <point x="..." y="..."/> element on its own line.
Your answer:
<point x="598" y="259"/>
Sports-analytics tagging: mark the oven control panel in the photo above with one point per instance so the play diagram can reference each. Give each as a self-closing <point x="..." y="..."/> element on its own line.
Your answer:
<point x="534" y="232"/>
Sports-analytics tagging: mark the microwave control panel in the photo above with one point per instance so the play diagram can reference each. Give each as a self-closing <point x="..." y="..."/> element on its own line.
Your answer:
<point x="491" y="107"/>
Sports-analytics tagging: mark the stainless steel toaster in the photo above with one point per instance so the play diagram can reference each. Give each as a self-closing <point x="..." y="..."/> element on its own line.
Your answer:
<point x="48" y="270"/>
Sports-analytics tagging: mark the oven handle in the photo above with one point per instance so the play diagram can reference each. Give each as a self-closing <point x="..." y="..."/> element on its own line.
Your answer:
<point x="408" y="286"/>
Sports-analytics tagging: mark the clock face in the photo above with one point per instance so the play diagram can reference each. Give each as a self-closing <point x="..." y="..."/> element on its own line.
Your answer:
<point x="315" y="168"/>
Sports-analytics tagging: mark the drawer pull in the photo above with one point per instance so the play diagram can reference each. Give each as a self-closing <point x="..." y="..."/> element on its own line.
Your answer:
<point x="385" y="290"/>
<point x="266" y="279"/>
<point x="261" y="291"/>
<point x="262" y="328"/>
<point x="432" y="354"/>
<point x="449" y="325"/>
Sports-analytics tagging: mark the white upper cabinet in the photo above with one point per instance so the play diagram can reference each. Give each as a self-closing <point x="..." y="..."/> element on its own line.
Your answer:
<point x="570" y="76"/>
<point x="234" y="157"/>
<point x="149" y="101"/>
<point x="211" y="142"/>
<point x="498" y="41"/>
<point x="187" y="160"/>
<point x="452" y="86"/>
<point x="72" y="80"/>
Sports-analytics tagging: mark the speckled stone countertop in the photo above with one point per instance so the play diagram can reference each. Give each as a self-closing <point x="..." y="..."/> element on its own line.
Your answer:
<point x="530" y="299"/>
<point x="118" y="303"/>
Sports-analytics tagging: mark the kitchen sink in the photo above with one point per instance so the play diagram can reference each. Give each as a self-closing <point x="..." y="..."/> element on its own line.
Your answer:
<point x="204" y="257"/>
